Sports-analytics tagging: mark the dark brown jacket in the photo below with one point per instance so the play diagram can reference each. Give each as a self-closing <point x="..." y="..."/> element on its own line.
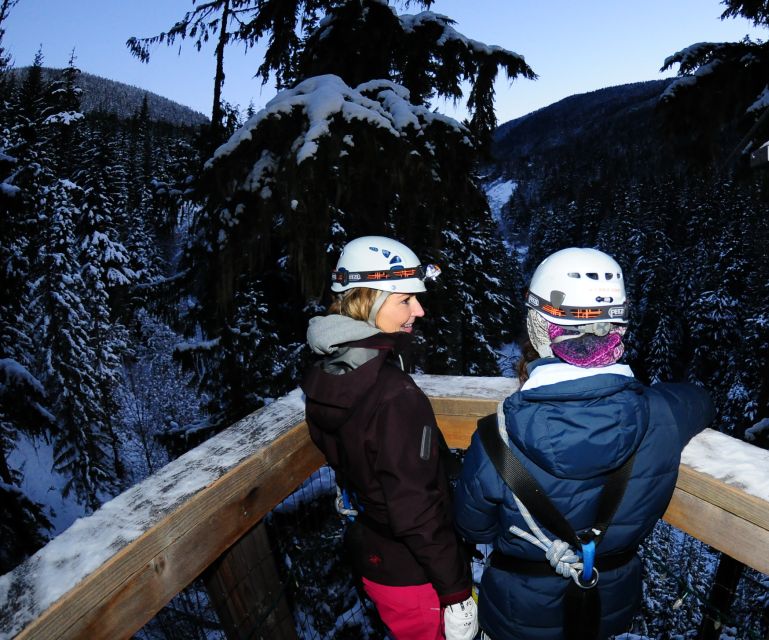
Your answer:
<point x="378" y="432"/>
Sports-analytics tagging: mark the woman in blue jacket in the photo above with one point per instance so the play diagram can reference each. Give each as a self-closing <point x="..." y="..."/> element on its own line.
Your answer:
<point x="580" y="421"/>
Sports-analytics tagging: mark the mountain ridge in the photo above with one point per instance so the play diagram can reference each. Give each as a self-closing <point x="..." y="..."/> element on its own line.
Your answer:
<point x="553" y="126"/>
<point x="104" y="95"/>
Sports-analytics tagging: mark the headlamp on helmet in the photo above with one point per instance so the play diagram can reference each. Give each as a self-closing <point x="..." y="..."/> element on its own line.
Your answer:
<point x="376" y="262"/>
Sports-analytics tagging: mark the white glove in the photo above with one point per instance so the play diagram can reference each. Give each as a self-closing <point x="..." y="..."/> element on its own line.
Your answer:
<point x="460" y="621"/>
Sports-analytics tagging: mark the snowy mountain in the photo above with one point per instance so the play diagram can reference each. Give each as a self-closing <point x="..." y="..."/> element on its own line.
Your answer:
<point x="617" y="132"/>
<point x="603" y="113"/>
<point x="616" y="123"/>
<point x="124" y="100"/>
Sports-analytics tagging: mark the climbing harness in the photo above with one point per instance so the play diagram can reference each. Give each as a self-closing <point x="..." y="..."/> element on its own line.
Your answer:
<point x="574" y="554"/>
<point x="344" y="505"/>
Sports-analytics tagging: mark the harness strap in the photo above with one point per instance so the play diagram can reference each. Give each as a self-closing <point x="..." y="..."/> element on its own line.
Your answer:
<point x="502" y="561"/>
<point x="531" y="493"/>
<point x="521" y="481"/>
<point x="581" y="604"/>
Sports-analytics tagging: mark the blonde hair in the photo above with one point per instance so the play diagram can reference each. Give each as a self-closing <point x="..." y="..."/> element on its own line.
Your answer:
<point x="355" y="303"/>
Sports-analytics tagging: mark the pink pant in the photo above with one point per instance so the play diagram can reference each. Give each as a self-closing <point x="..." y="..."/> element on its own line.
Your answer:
<point x="410" y="613"/>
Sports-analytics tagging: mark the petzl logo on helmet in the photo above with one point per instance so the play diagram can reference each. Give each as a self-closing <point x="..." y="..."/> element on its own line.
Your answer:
<point x="353" y="276"/>
<point x="533" y="300"/>
<point x="617" y="312"/>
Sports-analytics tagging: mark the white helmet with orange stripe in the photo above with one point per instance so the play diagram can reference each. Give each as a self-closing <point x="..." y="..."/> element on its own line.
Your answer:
<point x="578" y="286"/>
<point x="376" y="262"/>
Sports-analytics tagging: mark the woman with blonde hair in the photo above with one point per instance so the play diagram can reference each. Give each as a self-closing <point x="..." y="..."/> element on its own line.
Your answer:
<point x="378" y="432"/>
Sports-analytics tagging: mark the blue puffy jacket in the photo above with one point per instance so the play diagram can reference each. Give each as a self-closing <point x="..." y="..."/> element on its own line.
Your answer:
<point x="570" y="427"/>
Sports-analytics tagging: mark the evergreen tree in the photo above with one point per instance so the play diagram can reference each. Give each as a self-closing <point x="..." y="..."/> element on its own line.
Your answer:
<point x="139" y="161"/>
<point x="145" y="143"/>
<point x="722" y="85"/>
<point x="23" y="522"/>
<point x="328" y="160"/>
<point x="421" y="52"/>
<point x="105" y="270"/>
<point x="61" y="117"/>
<point x="155" y="397"/>
<point x="67" y="355"/>
<point x="655" y="320"/>
<point x="5" y="58"/>
<point x="481" y="287"/>
<point x="251" y="363"/>
<point x="678" y="570"/>
<point x="67" y="280"/>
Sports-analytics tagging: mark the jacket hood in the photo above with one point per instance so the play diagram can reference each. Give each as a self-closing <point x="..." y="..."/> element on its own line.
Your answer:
<point x="578" y="428"/>
<point x="326" y="333"/>
<point x="337" y="390"/>
<point x="331" y="336"/>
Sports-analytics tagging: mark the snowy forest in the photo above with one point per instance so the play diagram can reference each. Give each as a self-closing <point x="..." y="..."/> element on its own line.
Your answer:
<point x="158" y="276"/>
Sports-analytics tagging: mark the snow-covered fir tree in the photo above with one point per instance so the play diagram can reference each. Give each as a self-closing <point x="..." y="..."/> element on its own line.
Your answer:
<point x="67" y="353"/>
<point x="61" y="116"/>
<point x="354" y="148"/>
<point x="23" y="523"/>
<point x="71" y="257"/>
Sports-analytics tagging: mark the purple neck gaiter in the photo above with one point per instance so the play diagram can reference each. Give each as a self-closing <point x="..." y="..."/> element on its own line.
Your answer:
<point x="588" y="350"/>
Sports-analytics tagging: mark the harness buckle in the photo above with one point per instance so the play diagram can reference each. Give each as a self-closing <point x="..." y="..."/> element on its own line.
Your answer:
<point x="589" y="584"/>
<point x="589" y="535"/>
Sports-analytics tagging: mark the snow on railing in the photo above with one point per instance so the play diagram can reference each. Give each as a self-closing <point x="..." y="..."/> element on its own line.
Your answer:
<point x="109" y="573"/>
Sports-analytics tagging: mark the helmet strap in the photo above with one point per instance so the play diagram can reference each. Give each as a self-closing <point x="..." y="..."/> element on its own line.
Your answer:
<point x="378" y="302"/>
<point x="594" y="328"/>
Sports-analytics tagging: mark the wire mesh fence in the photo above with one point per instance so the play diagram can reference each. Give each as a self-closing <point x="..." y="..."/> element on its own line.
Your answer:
<point x="307" y="534"/>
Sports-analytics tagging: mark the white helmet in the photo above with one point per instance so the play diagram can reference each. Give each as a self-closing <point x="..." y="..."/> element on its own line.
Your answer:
<point x="380" y="263"/>
<point x="577" y="287"/>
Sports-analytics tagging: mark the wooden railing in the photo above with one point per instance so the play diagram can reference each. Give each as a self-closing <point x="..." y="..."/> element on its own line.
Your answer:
<point x="110" y="573"/>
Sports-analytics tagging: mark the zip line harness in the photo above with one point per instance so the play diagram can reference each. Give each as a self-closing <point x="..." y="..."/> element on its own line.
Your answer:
<point x="573" y="555"/>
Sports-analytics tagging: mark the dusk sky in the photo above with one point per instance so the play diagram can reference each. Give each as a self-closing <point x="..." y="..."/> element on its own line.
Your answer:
<point x="573" y="47"/>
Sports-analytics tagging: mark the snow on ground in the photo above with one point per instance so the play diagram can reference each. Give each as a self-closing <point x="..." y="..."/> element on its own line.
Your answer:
<point x="42" y="484"/>
<point x="498" y="193"/>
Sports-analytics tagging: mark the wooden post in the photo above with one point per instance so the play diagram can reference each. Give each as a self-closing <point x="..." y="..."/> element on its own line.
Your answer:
<point x="247" y="593"/>
<point x="721" y="597"/>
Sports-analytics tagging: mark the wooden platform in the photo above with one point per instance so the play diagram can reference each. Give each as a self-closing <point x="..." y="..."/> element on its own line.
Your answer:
<point x="109" y="574"/>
